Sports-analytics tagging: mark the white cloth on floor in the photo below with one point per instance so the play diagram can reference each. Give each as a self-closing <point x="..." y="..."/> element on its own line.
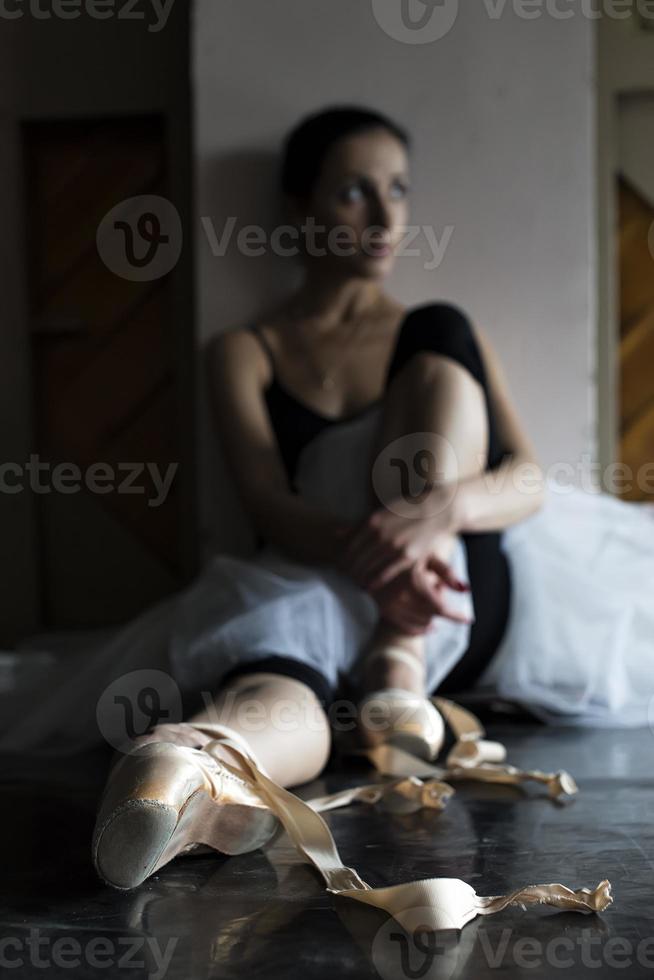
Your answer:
<point x="579" y="645"/>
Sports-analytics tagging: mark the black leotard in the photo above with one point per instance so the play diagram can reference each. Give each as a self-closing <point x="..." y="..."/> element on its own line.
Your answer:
<point x="443" y="329"/>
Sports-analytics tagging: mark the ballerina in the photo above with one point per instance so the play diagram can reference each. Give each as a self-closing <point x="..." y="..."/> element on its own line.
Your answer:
<point x="360" y="435"/>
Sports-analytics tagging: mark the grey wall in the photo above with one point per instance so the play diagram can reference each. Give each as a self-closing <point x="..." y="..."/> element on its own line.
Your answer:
<point x="502" y="115"/>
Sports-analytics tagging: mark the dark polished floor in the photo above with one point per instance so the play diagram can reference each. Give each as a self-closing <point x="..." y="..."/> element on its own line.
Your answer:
<point x="266" y="914"/>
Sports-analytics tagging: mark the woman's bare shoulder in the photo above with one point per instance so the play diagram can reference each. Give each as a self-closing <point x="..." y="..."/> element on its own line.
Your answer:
<point x="237" y="351"/>
<point x="246" y="340"/>
<point x="233" y="340"/>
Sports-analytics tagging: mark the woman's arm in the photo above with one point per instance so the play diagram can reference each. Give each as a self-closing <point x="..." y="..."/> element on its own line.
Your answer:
<point x="387" y="543"/>
<point x="238" y="373"/>
<point x="513" y="490"/>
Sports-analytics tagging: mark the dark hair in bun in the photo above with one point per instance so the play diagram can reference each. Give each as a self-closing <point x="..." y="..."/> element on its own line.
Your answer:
<point x="308" y="143"/>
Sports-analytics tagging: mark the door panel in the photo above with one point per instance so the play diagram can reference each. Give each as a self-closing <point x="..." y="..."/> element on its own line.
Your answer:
<point x="105" y="376"/>
<point x="636" y="242"/>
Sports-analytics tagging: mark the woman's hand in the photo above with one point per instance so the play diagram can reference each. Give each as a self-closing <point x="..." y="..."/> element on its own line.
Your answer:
<point x="388" y="544"/>
<point x="412" y="599"/>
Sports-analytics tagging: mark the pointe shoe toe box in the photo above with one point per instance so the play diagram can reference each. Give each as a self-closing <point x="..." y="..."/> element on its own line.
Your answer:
<point x="397" y="717"/>
<point x="162" y="800"/>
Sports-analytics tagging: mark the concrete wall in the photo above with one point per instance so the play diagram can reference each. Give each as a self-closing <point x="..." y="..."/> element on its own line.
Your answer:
<point x="501" y="110"/>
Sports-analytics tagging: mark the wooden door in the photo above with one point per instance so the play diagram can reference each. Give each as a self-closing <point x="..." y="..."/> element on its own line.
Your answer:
<point x="106" y="372"/>
<point x="636" y="257"/>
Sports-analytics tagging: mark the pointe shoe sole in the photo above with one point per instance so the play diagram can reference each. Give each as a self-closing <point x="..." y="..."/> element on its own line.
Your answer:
<point x="137" y="835"/>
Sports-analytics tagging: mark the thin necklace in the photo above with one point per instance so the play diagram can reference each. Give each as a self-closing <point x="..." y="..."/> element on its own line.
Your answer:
<point x="325" y="377"/>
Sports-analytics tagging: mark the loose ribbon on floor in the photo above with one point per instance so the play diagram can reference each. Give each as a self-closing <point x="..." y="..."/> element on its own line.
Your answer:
<point x="444" y="903"/>
<point x="406" y="795"/>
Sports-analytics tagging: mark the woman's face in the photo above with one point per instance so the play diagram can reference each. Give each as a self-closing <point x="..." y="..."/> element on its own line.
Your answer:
<point x="360" y="204"/>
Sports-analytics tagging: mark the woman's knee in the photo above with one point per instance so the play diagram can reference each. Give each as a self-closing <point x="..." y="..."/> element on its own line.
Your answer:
<point x="438" y="400"/>
<point x="271" y="685"/>
<point x="282" y="718"/>
<point x="426" y="368"/>
<point x="277" y="700"/>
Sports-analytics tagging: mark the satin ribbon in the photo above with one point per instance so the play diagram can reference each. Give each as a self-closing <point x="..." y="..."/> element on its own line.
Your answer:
<point x="405" y="795"/>
<point x="443" y="903"/>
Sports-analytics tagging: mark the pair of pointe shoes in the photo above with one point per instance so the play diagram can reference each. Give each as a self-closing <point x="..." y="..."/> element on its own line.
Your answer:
<point x="163" y="799"/>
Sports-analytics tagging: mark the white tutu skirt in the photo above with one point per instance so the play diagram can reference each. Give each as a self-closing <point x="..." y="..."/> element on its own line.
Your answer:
<point x="578" y="646"/>
<point x="237" y="611"/>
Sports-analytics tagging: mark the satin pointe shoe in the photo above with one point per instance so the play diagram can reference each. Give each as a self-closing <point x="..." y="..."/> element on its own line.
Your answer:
<point x="163" y="799"/>
<point x="394" y="716"/>
<point x="407" y="721"/>
<point x="416" y="724"/>
<point x="403" y="734"/>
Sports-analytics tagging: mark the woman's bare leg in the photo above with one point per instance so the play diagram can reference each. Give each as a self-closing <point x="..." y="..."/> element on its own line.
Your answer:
<point x="280" y="717"/>
<point x="162" y="806"/>
<point x="437" y="397"/>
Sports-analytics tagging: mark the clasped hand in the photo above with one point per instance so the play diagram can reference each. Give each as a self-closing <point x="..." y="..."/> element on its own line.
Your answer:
<point x="403" y="563"/>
